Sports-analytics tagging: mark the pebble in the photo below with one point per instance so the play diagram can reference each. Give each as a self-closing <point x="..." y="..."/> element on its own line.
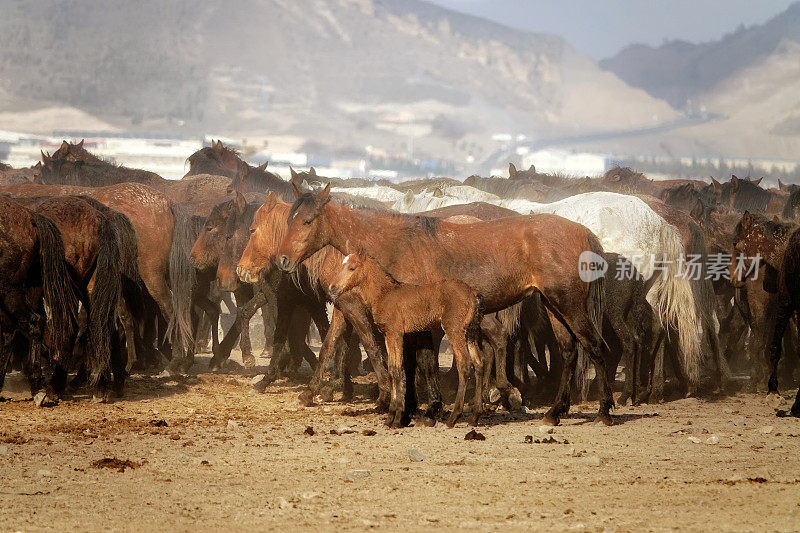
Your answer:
<point x="45" y="473"/>
<point x="415" y="455"/>
<point x="309" y="495"/>
<point x="344" y="430"/>
<point x="593" y="460"/>
<point x="283" y="503"/>
<point x="694" y="439"/>
<point x="713" y="439"/>
<point x="352" y="475"/>
<point x="257" y="378"/>
<point x="233" y="424"/>
<point x="766" y="430"/>
<point x="546" y="430"/>
<point x="739" y="421"/>
<point x="3" y="449"/>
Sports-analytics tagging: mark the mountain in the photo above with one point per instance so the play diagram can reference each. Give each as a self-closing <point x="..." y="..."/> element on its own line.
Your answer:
<point x="338" y="74"/>
<point x="678" y="71"/>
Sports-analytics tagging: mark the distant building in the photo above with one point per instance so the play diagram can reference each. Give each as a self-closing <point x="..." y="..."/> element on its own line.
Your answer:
<point x="566" y="162"/>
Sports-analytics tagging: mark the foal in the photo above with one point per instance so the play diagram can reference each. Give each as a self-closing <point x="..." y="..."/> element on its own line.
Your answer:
<point x="400" y="308"/>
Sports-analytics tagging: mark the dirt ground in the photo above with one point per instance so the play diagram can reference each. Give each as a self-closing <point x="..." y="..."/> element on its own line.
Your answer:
<point x="206" y="453"/>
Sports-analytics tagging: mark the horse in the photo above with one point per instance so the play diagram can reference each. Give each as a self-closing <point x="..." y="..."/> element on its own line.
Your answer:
<point x="757" y="236"/>
<point x="164" y="237"/>
<point x="34" y="272"/>
<point x="75" y="167"/>
<point x="218" y="248"/>
<point x="92" y="251"/>
<point x="220" y="160"/>
<point x="401" y="308"/>
<point x="505" y="260"/>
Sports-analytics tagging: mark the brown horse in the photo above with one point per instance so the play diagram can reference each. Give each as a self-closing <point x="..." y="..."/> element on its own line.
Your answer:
<point x="504" y="260"/>
<point x="164" y="235"/>
<point x="222" y="160"/>
<point x="401" y="308"/>
<point x="33" y="272"/>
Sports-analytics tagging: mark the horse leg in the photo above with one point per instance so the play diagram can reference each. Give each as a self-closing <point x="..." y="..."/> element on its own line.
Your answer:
<point x="457" y="337"/>
<point x="126" y="319"/>
<point x="356" y="314"/>
<point x="569" y="353"/>
<point x="786" y="307"/>
<point x="337" y="328"/>
<point x="427" y="362"/>
<point x="282" y="324"/>
<point x="479" y="366"/>
<point x="394" y="347"/>
<point x="118" y="365"/>
<point x="243" y="314"/>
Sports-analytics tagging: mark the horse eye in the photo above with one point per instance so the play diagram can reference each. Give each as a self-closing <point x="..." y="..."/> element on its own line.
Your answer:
<point x="352" y="268"/>
<point x="252" y="230"/>
<point x="308" y="222"/>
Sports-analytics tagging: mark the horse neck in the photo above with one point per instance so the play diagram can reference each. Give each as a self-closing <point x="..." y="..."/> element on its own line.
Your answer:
<point x="376" y="283"/>
<point x="361" y="227"/>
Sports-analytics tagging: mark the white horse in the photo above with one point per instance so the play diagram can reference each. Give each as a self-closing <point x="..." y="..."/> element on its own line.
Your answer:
<point x="625" y="225"/>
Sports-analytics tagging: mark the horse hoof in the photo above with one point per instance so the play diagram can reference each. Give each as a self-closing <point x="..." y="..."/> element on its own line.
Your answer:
<point x="604" y="419"/>
<point x="249" y="361"/>
<point x="473" y="419"/>
<point x="389" y="422"/>
<point x="42" y="399"/>
<point x="102" y="398"/>
<point x="260" y="384"/>
<point x="430" y="422"/>
<point x="451" y="422"/>
<point x="327" y="394"/>
<point x="494" y="395"/>
<point x="515" y="399"/>
<point x="434" y="409"/>
<point x="550" y="420"/>
<point x="382" y="405"/>
<point x="306" y="398"/>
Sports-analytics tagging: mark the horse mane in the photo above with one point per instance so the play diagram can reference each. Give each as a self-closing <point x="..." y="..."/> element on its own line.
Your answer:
<point x="426" y="225"/>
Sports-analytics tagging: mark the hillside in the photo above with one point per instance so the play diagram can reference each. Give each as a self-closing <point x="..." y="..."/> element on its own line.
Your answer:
<point x="679" y="71"/>
<point x="344" y="73"/>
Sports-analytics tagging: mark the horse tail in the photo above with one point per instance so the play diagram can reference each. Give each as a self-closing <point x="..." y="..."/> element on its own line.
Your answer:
<point x="58" y="285"/>
<point x="510" y="318"/>
<point x="182" y="274"/>
<point x="674" y="301"/>
<point x="594" y="310"/>
<point x="103" y="300"/>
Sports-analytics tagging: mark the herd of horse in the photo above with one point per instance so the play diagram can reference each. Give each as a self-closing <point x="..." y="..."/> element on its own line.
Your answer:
<point x="106" y="270"/>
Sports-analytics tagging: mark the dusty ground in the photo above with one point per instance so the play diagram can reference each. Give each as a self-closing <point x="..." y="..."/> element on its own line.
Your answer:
<point x="204" y="453"/>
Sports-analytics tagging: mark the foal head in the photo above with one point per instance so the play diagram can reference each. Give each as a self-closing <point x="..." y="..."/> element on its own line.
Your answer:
<point x="360" y="270"/>
<point x="306" y="230"/>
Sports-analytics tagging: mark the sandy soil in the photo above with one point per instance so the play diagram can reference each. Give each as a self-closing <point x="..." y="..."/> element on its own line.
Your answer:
<point x="205" y="453"/>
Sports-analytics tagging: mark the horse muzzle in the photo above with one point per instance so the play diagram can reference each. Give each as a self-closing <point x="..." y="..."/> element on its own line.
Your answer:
<point x="245" y="275"/>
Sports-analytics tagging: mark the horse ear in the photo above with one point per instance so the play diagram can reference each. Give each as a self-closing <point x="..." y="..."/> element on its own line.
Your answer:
<point x="781" y="185"/>
<point x="532" y="169"/>
<point x="45" y="158"/>
<point x="717" y="185"/>
<point x="80" y="144"/>
<point x="263" y="167"/>
<point x="294" y="174"/>
<point x="65" y="145"/>
<point x="776" y="218"/>
<point x="271" y="200"/>
<point x="437" y="193"/>
<point x="734" y="183"/>
<point x="241" y="202"/>
<point x="747" y="220"/>
<point x="512" y="171"/>
<point x="697" y="211"/>
<point x="324" y="196"/>
<point x="758" y="181"/>
<point x="296" y="190"/>
<point x="312" y="171"/>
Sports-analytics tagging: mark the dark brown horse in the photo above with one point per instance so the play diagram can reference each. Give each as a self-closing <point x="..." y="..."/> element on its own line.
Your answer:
<point x="91" y="247"/>
<point x="33" y="272"/>
<point x="222" y="160"/>
<point x="504" y="260"/>
<point x="164" y="236"/>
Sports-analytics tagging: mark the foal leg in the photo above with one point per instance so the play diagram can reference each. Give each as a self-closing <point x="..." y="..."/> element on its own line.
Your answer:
<point x="479" y="365"/>
<point x="457" y="339"/>
<point x="394" y="347"/>
<point x="786" y="307"/>
<point x="497" y="336"/>
<point x="428" y="365"/>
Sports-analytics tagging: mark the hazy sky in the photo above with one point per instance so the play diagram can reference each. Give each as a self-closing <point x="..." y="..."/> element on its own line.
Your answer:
<point x="600" y="28"/>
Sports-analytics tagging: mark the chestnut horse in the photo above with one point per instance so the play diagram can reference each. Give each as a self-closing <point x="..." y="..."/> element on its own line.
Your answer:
<point x="33" y="272"/>
<point x="164" y="235"/>
<point x="401" y="308"/>
<point x="504" y="260"/>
